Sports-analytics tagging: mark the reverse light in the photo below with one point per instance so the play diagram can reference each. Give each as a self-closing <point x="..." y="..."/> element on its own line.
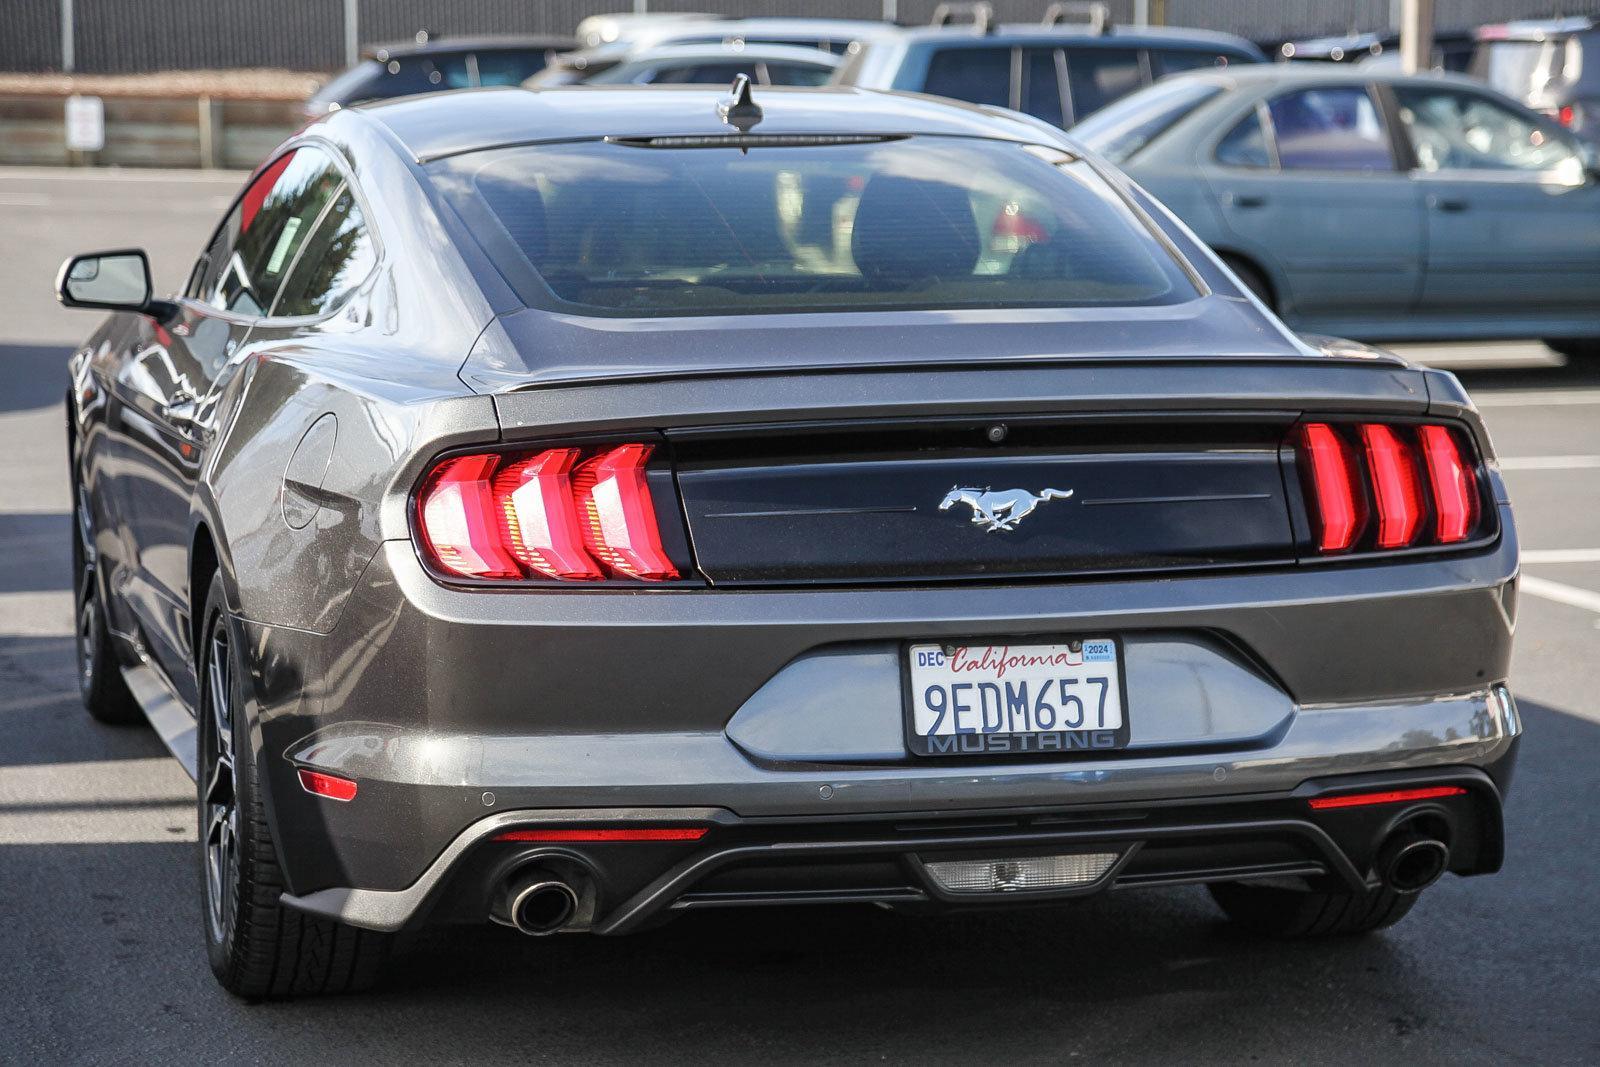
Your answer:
<point x="327" y="785"/>
<point x="1390" y="796"/>
<point x="568" y="514"/>
<point x="1339" y="503"/>
<point x="1455" y="487"/>
<point x="590" y="834"/>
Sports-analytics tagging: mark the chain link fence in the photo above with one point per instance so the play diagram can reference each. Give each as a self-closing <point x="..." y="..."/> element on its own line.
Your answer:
<point x="123" y="36"/>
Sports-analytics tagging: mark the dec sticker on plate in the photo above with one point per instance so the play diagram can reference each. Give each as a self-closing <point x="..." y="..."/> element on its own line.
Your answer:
<point x="972" y="700"/>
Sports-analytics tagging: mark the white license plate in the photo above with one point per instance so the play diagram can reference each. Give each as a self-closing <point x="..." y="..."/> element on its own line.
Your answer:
<point x="997" y="699"/>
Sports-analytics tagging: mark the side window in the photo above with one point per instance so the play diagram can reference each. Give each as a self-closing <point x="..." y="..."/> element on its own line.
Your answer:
<point x="509" y="68"/>
<point x="1453" y="130"/>
<point x="257" y="245"/>
<point x="701" y="73"/>
<point x="976" y="75"/>
<point x="336" y="259"/>
<point x="424" y="74"/>
<point x="1098" y="76"/>
<point x="1334" y="128"/>
<point x="797" y="74"/>
<point x="1245" y="145"/>
<point x="1041" y="88"/>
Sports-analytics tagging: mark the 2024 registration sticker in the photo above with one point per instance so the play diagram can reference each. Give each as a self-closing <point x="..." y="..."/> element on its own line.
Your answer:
<point x="991" y="699"/>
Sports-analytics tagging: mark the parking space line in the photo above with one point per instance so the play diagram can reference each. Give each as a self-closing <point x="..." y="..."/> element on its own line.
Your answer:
<point x="36" y="614"/>
<point x="1561" y="593"/>
<point x="1535" y="398"/>
<point x="1561" y="555"/>
<point x="1548" y="463"/>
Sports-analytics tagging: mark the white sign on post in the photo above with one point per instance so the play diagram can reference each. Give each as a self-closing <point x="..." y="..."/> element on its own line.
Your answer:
<point x="86" y="123"/>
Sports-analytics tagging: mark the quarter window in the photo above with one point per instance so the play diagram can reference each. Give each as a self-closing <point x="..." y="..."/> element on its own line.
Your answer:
<point x="337" y="258"/>
<point x="976" y="75"/>
<point x="1335" y="128"/>
<point x="1245" y="145"/>
<point x="1098" y="76"/>
<point x="1452" y="130"/>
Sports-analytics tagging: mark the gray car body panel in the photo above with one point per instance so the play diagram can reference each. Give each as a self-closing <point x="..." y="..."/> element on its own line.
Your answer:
<point x="451" y="704"/>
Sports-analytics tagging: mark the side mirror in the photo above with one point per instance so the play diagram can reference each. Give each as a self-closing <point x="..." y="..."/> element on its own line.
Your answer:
<point x="111" y="281"/>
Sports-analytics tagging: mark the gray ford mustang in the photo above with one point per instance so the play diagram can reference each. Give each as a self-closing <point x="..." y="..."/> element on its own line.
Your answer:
<point x="569" y="509"/>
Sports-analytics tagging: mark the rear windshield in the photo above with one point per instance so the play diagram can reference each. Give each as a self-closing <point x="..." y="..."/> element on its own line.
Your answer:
<point x="1121" y="130"/>
<point x="606" y="228"/>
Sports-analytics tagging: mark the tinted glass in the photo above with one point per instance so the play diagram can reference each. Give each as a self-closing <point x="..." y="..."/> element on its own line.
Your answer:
<point x="336" y="259"/>
<point x="1121" y="130"/>
<point x="1452" y="130"/>
<point x="1335" y="128"/>
<point x="937" y="222"/>
<point x="1041" y="87"/>
<point x="1098" y="76"/>
<point x="509" y="68"/>
<point x="1164" y="62"/>
<point x="353" y="85"/>
<point x="257" y="245"/>
<point x="420" y="74"/>
<point x="1245" y="145"/>
<point x="797" y="74"/>
<point x="703" y="73"/>
<point x="977" y="75"/>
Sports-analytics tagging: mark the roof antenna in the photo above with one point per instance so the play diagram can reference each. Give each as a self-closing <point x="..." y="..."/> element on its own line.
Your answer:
<point x="737" y="109"/>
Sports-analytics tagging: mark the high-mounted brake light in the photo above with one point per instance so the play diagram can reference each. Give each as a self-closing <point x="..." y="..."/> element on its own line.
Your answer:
<point x="1394" y="484"/>
<point x="1389" y="796"/>
<point x="1333" y="479"/>
<point x="1455" y="487"/>
<point x="565" y="513"/>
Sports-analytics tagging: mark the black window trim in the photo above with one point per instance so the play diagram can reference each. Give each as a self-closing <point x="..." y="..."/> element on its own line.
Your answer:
<point x="333" y="152"/>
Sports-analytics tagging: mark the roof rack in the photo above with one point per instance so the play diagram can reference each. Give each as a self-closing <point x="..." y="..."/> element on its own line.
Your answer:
<point x="1096" y="15"/>
<point x="981" y="14"/>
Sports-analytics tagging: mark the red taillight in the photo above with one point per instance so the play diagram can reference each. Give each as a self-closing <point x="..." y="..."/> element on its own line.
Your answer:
<point x="1391" y="796"/>
<point x="1334" y="485"/>
<point x="1455" y="487"/>
<point x="1418" y="482"/>
<point x="549" y="514"/>
<point x="663" y="833"/>
<point x="1566" y="114"/>
<point x="617" y="515"/>
<point x="1394" y="485"/>
<point x="327" y="785"/>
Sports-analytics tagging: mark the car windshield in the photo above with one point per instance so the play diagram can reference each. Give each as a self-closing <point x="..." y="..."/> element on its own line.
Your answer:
<point x="1119" y="131"/>
<point x="807" y="224"/>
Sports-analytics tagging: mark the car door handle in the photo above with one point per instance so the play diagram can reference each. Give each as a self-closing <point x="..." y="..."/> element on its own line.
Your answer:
<point x="1246" y="200"/>
<point x="1448" y="205"/>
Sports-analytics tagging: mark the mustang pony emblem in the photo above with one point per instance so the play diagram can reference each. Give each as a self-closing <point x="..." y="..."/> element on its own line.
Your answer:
<point x="999" y="509"/>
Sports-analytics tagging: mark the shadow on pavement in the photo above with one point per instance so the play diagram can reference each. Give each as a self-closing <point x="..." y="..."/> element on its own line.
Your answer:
<point x="32" y="376"/>
<point x="1575" y="374"/>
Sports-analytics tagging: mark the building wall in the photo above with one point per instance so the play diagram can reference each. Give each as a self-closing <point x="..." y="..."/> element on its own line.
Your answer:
<point x="126" y="36"/>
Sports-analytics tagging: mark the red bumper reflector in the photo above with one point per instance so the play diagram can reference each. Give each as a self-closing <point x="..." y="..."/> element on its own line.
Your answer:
<point x="658" y="833"/>
<point x="1392" y="796"/>
<point x="326" y="785"/>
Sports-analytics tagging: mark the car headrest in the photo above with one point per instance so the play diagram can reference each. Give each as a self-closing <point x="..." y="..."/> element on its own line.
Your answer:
<point x="520" y="209"/>
<point x="909" y="232"/>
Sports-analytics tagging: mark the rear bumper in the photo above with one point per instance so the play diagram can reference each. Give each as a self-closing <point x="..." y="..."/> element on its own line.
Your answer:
<point x="742" y="862"/>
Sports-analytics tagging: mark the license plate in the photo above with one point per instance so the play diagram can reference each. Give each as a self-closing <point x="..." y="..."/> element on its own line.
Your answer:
<point x="997" y="699"/>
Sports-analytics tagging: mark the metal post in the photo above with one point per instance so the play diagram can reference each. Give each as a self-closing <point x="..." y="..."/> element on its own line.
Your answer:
<point x="641" y="7"/>
<point x="891" y="10"/>
<point x="1416" y="36"/>
<point x="211" y="146"/>
<point x="352" y="32"/>
<point x="1141" y="12"/>
<point x="68" y="59"/>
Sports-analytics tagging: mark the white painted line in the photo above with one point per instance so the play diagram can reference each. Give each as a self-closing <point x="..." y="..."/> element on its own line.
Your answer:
<point x="41" y="614"/>
<point x="25" y="201"/>
<point x="1561" y="555"/>
<point x="1548" y="463"/>
<point x="43" y="700"/>
<point x="163" y="824"/>
<point x="1534" y="398"/>
<point x="1561" y="593"/>
<point x="36" y="507"/>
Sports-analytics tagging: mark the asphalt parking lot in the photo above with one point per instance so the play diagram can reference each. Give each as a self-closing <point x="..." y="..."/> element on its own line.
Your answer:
<point x="100" y="946"/>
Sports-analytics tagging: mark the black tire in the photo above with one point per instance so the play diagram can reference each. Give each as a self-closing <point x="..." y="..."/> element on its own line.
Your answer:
<point x="1575" y="347"/>
<point x="1253" y="280"/>
<point x="105" y="695"/>
<point x="1277" y="911"/>
<point x="257" y="947"/>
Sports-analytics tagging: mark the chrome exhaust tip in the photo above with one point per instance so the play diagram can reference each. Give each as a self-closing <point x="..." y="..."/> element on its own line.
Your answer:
<point x="1410" y="862"/>
<point x="538" y="903"/>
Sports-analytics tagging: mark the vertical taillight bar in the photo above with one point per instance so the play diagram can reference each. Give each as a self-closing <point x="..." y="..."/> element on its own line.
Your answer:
<point x="1336" y="487"/>
<point x="1455" y="487"/>
<point x="1394" y="485"/>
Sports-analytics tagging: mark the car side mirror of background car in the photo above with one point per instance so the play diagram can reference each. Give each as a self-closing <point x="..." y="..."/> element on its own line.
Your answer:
<point x="111" y="281"/>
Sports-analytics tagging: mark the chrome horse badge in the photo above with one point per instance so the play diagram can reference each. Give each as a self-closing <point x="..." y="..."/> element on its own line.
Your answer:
<point x="1000" y="509"/>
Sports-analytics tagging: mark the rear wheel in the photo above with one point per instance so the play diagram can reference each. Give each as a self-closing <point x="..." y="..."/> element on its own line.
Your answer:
<point x="105" y="695"/>
<point x="257" y="947"/>
<point x="1278" y="911"/>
